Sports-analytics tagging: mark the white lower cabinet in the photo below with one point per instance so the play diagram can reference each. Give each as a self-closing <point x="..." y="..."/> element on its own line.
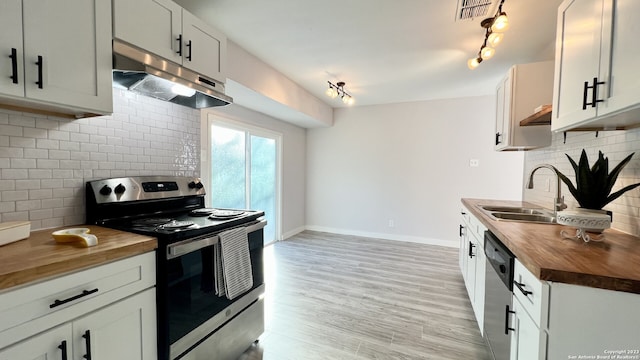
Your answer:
<point x="527" y="341"/>
<point x="51" y="344"/>
<point x="102" y="313"/>
<point x="563" y="321"/>
<point x="125" y="330"/>
<point x="472" y="262"/>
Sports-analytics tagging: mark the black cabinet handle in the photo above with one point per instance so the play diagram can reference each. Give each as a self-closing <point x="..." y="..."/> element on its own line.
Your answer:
<point x="14" y="65"/>
<point x="594" y="93"/>
<point x="584" y="95"/>
<point x="83" y="294"/>
<point x="189" y="45"/>
<point x="521" y="286"/>
<point x="63" y="347"/>
<point x="39" y="63"/>
<point x="498" y="135"/>
<point x="87" y="340"/>
<point x="506" y="320"/>
<point x="461" y="229"/>
<point x="179" y="52"/>
<point x="471" y="246"/>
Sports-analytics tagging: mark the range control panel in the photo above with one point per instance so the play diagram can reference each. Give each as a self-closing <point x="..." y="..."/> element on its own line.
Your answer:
<point x="143" y="188"/>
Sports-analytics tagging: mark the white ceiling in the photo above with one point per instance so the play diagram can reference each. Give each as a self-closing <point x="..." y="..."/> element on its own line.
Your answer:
<point x="387" y="51"/>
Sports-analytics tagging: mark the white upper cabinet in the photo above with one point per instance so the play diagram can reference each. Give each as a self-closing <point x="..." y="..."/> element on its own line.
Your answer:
<point x="205" y="48"/>
<point x="58" y="55"/>
<point x="162" y="27"/>
<point x="597" y="80"/>
<point x="518" y="94"/>
<point x="11" y="65"/>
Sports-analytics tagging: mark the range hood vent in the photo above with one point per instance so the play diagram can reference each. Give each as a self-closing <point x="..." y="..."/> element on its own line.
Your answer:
<point x="139" y="71"/>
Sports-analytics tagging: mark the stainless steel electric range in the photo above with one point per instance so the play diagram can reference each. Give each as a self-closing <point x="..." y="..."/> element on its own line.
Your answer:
<point x="193" y="322"/>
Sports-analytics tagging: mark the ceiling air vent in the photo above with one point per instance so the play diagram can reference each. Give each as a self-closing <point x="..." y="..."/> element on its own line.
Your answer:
<point x="471" y="9"/>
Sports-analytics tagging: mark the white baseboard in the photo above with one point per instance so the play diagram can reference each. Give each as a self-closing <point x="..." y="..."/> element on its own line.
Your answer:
<point x="413" y="239"/>
<point x="293" y="232"/>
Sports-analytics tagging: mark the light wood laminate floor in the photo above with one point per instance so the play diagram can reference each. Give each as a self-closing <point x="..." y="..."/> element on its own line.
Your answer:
<point x="345" y="297"/>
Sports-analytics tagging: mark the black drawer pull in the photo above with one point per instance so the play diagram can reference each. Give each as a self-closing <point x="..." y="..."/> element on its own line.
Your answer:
<point x="461" y="230"/>
<point x="521" y="286"/>
<point x="63" y="347"/>
<point x="471" y="246"/>
<point x="40" y="62"/>
<point x="14" y="65"/>
<point x="498" y="141"/>
<point x="76" y="297"/>
<point x="506" y="321"/>
<point x="87" y="340"/>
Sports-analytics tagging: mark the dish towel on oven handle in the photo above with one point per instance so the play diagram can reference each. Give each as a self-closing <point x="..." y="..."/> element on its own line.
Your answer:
<point x="236" y="262"/>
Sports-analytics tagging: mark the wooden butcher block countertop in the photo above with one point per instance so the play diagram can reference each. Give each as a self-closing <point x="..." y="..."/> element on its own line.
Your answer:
<point x="612" y="264"/>
<point x="39" y="256"/>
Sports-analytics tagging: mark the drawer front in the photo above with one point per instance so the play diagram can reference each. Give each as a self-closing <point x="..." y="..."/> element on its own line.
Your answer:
<point x="532" y="293"/>
<point x="93" y="287"/>
<point x="478" y="229"/>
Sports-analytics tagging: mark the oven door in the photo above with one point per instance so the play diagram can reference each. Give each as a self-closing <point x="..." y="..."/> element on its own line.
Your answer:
<point x="189" y="310"/>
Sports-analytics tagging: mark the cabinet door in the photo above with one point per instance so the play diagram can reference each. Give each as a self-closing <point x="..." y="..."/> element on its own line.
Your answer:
<point x="11" y="45"/>
<point x="620" y="53"/>
<point x="478" y="297"/>
<point x="577" y="60"/>
<point x="152" y="25"/>
<point x="462" y="253"/>
<point x="470" y="280"/>
<point x="53" y="344"/>
<point x="503" y="112"/>
<point x="527" y="341"/>
<point x="71" y="42"/>
<point x="204" y="48"/>
<point x="124" y="330"/>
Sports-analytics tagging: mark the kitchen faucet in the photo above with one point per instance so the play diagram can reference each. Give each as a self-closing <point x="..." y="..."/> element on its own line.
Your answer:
<point x="558" y="201"/>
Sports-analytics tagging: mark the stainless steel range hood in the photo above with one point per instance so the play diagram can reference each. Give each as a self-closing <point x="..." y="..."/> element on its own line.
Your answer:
<point x="147" y="74"/>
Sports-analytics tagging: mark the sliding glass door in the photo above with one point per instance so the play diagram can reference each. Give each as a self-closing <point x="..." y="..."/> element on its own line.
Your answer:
<point x="244" y="171"/>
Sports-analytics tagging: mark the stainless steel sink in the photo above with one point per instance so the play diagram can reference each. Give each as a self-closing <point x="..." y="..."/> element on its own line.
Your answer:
<point x="521" y="214"/>
<point x="513" y="209"/>
<point x="536" y="218"/>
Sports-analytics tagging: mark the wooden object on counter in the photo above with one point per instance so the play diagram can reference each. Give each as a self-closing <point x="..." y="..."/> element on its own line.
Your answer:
<point x="612" y="264"/>
<point x="13" y="231"/>
<point x="40" y="257"/>
<point x="542" y="117"/>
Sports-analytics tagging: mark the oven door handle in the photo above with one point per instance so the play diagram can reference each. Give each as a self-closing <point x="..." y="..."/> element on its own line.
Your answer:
<point x="182" y="248"/>
<point x="179" y="249"/>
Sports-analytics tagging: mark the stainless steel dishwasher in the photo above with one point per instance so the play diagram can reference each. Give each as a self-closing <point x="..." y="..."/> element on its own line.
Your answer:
<point x="497" y="298"/>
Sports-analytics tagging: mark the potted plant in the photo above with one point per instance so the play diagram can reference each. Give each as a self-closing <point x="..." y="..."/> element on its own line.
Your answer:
<point x="594" y="184"/>
<point x="592" y="191"/>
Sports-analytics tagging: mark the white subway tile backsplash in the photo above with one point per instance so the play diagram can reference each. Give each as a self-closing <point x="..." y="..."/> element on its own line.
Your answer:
<point x="47" y="144"/>
<point x="38" y="174"/>
<point x="615" y="145"/>
<point x="45" y="161"/>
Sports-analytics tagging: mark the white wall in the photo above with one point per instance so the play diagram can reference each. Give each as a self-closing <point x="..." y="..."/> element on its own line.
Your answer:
<point x="409" y="163"/>
<point x="256" y="85"/>
<point x="293" y="161"/>
<point x="616" y="145"/>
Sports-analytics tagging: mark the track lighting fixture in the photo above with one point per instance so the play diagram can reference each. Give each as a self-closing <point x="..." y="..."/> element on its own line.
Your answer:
<point x="336" y="90"/>
<point x="493" y="35"/>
